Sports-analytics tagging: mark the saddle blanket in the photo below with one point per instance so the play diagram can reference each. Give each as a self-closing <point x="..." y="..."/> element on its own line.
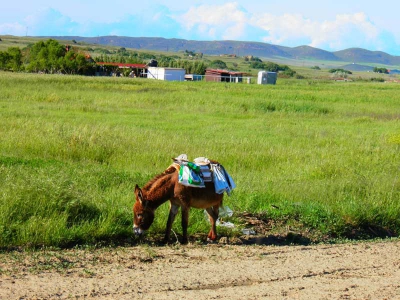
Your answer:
<point x="201" y="170"/>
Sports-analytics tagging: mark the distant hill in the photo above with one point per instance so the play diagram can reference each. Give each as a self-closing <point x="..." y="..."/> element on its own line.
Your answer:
<point x="357" y="67"/>
<point x="363" y="68"/>
<point x="176" y="45"/>
<point x="239" y="48"/>
<point x="362" y="55"/>
<point x="307" y="52"/>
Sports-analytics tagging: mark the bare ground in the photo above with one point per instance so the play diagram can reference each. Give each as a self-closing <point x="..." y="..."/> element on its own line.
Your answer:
<point x="215" y="271"/>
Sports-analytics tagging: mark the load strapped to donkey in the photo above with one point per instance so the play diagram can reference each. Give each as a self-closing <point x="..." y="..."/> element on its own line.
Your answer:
<point x="198" y="184"/>
<point x="202" y="170"/>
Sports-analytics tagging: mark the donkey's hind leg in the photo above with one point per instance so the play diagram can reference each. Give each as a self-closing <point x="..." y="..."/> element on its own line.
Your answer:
<point x="213" y="214"/>
<point x="185" y="222"/>
<point x="173" y="210"/>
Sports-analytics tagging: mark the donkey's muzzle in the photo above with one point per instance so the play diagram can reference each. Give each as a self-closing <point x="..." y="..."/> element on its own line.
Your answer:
<point x="138" y="231"/>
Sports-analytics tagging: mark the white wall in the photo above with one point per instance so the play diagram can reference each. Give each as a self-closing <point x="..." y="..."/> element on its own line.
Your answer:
<point x="169" y="74"/>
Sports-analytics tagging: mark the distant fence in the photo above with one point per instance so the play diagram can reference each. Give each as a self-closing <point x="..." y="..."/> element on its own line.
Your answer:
<point x="227" y="79"/>
<point x="191" y="77"/>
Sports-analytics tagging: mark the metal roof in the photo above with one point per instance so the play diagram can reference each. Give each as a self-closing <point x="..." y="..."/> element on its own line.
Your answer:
<point x="219" y="71"/>
<point x="122" y="65"/>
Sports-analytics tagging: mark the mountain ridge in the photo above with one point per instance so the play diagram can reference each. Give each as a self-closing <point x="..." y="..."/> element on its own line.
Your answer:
<point x="241" y="48"/>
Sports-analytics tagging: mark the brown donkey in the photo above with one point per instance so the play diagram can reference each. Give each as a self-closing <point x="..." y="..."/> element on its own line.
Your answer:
<point x="166" y="187"/>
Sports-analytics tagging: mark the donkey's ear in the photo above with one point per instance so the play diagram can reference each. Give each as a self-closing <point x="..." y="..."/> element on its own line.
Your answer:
<point x="139" y="194"/>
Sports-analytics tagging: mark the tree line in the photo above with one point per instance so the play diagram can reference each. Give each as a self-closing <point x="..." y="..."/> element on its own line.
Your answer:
<point x="272" y="67"/>
<point x="52" y="57"/>
<point x="190" y="66"/>
<point x="47" y="57"/>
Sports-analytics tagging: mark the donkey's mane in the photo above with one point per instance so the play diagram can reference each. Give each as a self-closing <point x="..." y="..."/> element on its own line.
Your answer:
<point x="171" y="169"/>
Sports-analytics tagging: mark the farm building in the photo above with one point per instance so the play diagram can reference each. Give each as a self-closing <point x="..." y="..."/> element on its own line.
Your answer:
<point x="223" y="75"/>
<point x="169" y="74"/>
<point x="265" y="77"/>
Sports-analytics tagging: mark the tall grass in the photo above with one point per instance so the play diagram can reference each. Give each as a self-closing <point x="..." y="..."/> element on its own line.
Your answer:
<point x="72" y="149"/>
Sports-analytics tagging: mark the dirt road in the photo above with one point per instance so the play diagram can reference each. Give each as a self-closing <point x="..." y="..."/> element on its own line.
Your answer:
<point x="347" y="271"/>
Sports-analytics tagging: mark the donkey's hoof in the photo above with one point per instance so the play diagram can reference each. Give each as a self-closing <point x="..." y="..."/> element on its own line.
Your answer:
<point x="165" y="241"/>
<point x="211" y="241"/>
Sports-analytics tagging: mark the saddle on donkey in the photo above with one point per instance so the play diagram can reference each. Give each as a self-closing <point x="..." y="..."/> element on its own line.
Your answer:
<point x="201" y="171"/>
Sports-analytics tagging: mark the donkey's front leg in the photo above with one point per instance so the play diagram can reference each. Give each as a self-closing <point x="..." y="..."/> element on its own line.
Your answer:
<point x="185" y="222"/>
<point x="173" y="210"/>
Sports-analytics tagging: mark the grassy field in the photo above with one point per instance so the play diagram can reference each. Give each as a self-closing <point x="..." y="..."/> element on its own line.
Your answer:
<point x="315" y="156"/>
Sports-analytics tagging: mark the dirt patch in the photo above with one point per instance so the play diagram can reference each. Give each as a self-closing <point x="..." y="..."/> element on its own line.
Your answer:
<point x="346" y="271"/>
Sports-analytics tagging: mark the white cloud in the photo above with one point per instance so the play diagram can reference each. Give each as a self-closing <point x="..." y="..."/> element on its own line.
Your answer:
<point x="227" y="21"/>
<point x="51" y="22"/>
<point x="231" y="21"/>
<point x="344" y="31"/>
<point x="281" y="29"/>
<point x="13" y="29"/>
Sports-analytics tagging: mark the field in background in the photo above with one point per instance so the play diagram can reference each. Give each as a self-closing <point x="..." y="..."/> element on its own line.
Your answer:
<point x="305" y="68"/>
<point x="319" y="158"/>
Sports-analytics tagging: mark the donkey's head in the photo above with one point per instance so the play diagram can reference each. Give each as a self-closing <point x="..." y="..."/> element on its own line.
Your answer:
<point x="143" y="213"/>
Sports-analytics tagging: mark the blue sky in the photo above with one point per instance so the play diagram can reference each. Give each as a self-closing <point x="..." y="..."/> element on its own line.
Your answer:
<point x="329" y="25"/>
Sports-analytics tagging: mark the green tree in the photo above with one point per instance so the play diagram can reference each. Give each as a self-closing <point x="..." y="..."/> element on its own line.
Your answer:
<point x="340" y="71"/>
<point x="381" y="70"/>
<point x="289" y="72"/>
<point x="54" y="52"/>
<point x="81" y="64"/>
<point x="11" y="59"/>
<point x="45" y="56"/>
<point x="272" y="67"/>
<point x="218" y="64"/>
<point x="4" y="57"/>
<point x="200" y="68"/>
<point x="257" y="65"/>
<point x="67" y="63"/>
<point x="189" y="53"/>
<point x="52" y="57"/>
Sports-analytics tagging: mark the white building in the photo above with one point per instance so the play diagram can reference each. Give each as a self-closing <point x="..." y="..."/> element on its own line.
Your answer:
<point x="169" y="74"/>
<point x="265" y="77"/>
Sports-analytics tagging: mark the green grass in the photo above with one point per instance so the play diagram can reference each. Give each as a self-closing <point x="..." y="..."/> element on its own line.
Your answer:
<point x="73" y="148"/>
